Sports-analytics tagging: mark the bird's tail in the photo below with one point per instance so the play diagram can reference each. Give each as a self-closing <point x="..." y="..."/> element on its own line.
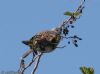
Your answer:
<point x="26" y="42"/>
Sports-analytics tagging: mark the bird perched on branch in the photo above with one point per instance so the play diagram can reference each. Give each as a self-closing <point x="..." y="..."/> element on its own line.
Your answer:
<point x="45" y="41"/>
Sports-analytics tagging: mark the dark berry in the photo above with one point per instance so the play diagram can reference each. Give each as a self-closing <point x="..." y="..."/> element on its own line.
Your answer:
<point x="68" y="42"/>
<point x="75" y="41"/>
<point x="76" y="45"/>
<point x="71" y="22"/>
<point x="72" y="26"/>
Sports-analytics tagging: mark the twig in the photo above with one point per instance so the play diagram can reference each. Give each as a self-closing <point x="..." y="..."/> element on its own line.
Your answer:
<point x="22" y="69"/>
<point x="68" y="20"/>
<point x="61" y="46"/>
<point x="36" y="63"/>
<point x="30" y="63"/>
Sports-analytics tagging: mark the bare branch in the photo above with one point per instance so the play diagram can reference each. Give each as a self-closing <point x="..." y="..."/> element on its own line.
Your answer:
<point x="61" y="46"/>
<point x="36" y="63"/>
<point x="30" y="63"/>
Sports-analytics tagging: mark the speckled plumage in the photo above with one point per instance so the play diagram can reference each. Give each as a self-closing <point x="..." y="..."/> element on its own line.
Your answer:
<point x="45" y="41"/>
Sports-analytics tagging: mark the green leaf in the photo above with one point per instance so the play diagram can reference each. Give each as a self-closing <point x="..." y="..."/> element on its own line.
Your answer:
<point x="86" y="70"/>
<point x="68" y="13"/>
<point x="82" y="70"/>
<point x="76" y="14"/>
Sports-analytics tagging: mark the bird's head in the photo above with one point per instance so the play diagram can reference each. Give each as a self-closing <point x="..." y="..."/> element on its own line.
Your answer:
<point x="57" y="30"/>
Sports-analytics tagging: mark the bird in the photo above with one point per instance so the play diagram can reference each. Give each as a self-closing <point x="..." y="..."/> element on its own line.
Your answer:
<point x="45" y="41"/>
<point x="48" y="40"/>
<point x="42" y="42"/>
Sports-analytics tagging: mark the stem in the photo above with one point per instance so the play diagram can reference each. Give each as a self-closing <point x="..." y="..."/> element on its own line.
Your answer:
<point x="30" y="63"/>
<point x="66" y="22"/>
<point x="36" y="63"/>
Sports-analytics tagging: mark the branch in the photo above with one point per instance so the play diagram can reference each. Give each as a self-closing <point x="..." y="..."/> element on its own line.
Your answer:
<point x="36" y="63"/>
<point x="37" y="57"/>
<point x="30" y="63"/>
<point x="79" y="9"/>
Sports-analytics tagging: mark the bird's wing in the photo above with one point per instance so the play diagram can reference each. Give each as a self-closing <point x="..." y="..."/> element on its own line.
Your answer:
<point x="48" y="35"/>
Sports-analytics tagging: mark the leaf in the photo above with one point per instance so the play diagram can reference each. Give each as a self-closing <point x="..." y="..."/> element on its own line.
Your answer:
<point x="86" y="70"/>
<point x="76" y="14"/>
<point x="68" y="13"/>
<point x="82" y="70"/>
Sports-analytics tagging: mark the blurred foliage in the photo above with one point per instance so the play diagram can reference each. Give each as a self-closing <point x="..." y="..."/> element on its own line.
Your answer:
<point x="76" y="14"/>
<point x="68" y="13"/>
<point x="72" y="13"/>
<point x="87" y="70"/>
